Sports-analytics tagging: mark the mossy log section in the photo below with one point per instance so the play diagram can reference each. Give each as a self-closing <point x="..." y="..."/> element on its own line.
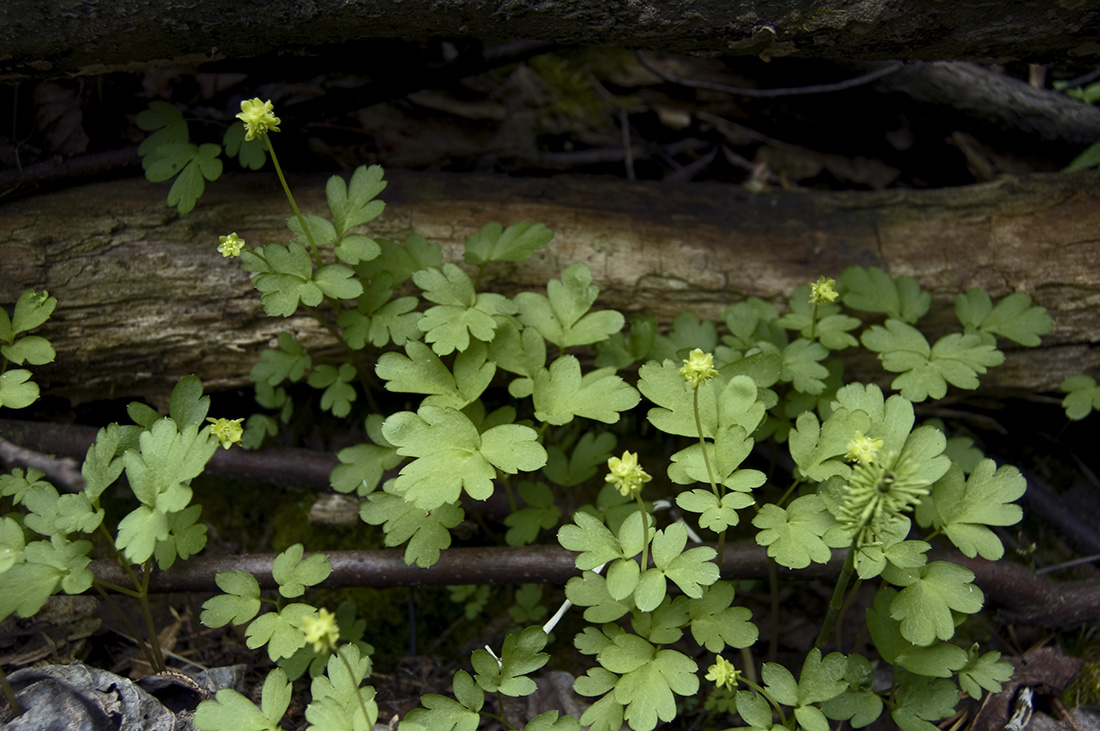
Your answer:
<point x="144" y="298"/>
<point x="58" y="38"/>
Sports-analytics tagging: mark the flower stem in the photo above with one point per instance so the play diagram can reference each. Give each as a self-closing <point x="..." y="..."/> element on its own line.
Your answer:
<point x="645" y="532"/>
<point x="290" y="197"/>
<point x="358" y="697"/>
<point x="837" y="600"/>
<point x="710" y="470"/>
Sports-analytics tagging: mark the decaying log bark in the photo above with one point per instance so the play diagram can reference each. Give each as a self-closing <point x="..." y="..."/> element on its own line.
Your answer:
<point x="144" y="298"/>
<point x="94" y="36"/>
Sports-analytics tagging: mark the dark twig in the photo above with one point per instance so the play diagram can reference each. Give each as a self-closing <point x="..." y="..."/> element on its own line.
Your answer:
<point x="772" y="93"/>
<point x="62" y="472"/>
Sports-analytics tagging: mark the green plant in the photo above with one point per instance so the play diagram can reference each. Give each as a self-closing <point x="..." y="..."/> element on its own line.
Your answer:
<point x="869" y="480"/>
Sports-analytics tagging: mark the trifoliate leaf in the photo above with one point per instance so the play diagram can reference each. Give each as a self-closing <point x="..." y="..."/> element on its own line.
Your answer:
<point x="337" y="281"/>
<point x="931" y="592"/>
<point x="984" y="672"/>
<point x="873" y="290"/>
<point x="17" y="484"/>
<point x="590" y="590"/>
<point x="515" y="243"/>
<point x="40" y="500"/>
<point x="239" y="604"/>
<point x="620" y="351"/>
<point x="27" y="587"/>
<point x="524" y="524"/>
<point x="646" y="689"/>
<point x="859" y="705"/>
<point x="31" y="349"/>
<point x="451" y="457"/>
<point x="252" y="154"/>
<point x="353" y="204"/>
<point x="725" y="456"/>
<point x="802" y="366"/>
<point x="338" y="393"/>
<point x="957" y="359"/>
<point x="561" y="393"/>
<point x="1013" y="317"/>
<point x="293" y="573"/>
<point x="186" y="537"/>
<point x="231" y="711"/>
<point x="167" y="460"/>
<point x="362" y="466"/>
<point x="822" y="678"/>
<point x="203" y="165"/>
<point x="338" y="700"/>
<point x="722" y="404"/>
<point x="690" y="570"/>
<point x="688" y="332"/>
<point x="285" y="277"/>
<point x="563" y="316"/>
<point x="793" y="536"/>
<point x="399" y="261"/>
<point x="68" y="558"/>
<point x="595" y="542"/>
<point x="715" y="514"/>
<point x="17" y="391"/>
<point x="395" y="322"/>
<point x="965" y="506"/>
<point x="780" y="683"/>
<point x="588" y="455"/>
<point x="288" y="361"/>
<point x="822" y="322"/>
<point x="139" y="532"/>
<point x="1083" y="396"/>
<point x="76" y="514"/>
<point x="281" y="631"/>
<point x="922" y="700"/>
<point x="520" y="656"/>
<point x="421" y="371"/>
<point x="819" y="449"/>
<point x="441" y="713"/>
<point x="427" y="531"/>
<point x="523" y="353"/>
<point x="167" y="124"/>
<point x="716" y="623"/>
<point x="460" y="312"/>
<point x="187" y="405"/>
<point x="467" y="691"/>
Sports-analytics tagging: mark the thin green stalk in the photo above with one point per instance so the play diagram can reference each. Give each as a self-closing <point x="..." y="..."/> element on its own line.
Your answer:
<point x="813" y="323"/>
<point x="645" y="533"/>
<point x="710" y="470"/>
<point x="126" y="620"/>
<point x="290" y="197"/>
<point x="351" y="674"/>
<point x="779" y="709"/>
<point x="147" y="614"/>
<point x="837" y="600"/>
<point x="773" y="588"/>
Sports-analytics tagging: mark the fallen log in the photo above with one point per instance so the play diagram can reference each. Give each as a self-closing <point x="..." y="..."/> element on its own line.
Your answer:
<point x="144" y="298"/>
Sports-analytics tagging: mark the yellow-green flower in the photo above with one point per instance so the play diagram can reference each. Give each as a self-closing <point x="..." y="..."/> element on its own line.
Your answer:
<point x="227" y="431"/>
<point x="698" y="368"/>
<point x="321" y="630"/>
<point x="723" y="673"/>
<point x="231" y="245"/>
<point x="863" y="449"/>
<point x="258" y="117"/>
<point x="627" y="474"/>
<point x="823" y="290"/>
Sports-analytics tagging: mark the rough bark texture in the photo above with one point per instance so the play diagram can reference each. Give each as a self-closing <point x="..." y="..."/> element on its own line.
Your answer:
<point x="63" y="37"/>
<point x="145" y="299"/>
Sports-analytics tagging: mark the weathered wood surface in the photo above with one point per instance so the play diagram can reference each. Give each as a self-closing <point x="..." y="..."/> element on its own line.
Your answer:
<point x="144" y="298"/>
<point x="59" y="38"/>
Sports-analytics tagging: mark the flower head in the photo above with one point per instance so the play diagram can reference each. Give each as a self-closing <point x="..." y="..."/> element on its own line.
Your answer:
<point x="698" y="368"/>
<point x="231" y="245"/>
<point x="723" y="673"/>
<point x="227" y="431"/>
<point x="321" y="629"/>
<point x="627" y="474"/>
<point x="823" y="290"/>
<point x="863" y="449"/>
<point x="878" y="494"/>
<point x="258" y="117"/>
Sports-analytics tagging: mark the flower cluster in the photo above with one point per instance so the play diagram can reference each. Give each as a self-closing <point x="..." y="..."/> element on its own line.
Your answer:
<point x="627" y="474"/>
<point x="321" y="630"/>
<point x="258" y="117"/>
<point x="227" y="431"/>
<point x="723" y="673"/>
<point x="823" y="290"/>
<point x="698" y="368"/>
<point x="863" y="449"/>
<point x="231" y="245"/>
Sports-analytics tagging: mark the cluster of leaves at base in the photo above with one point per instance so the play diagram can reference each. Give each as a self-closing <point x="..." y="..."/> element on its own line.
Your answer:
<point x="159" y="456"/>
<point x="32" y="309"/>
<point x="336" y="678"/>
<point x="169" y="153"/>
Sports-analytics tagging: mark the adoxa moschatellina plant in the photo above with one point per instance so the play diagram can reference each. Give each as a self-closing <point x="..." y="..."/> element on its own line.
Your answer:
<point x="870" y="482"/>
